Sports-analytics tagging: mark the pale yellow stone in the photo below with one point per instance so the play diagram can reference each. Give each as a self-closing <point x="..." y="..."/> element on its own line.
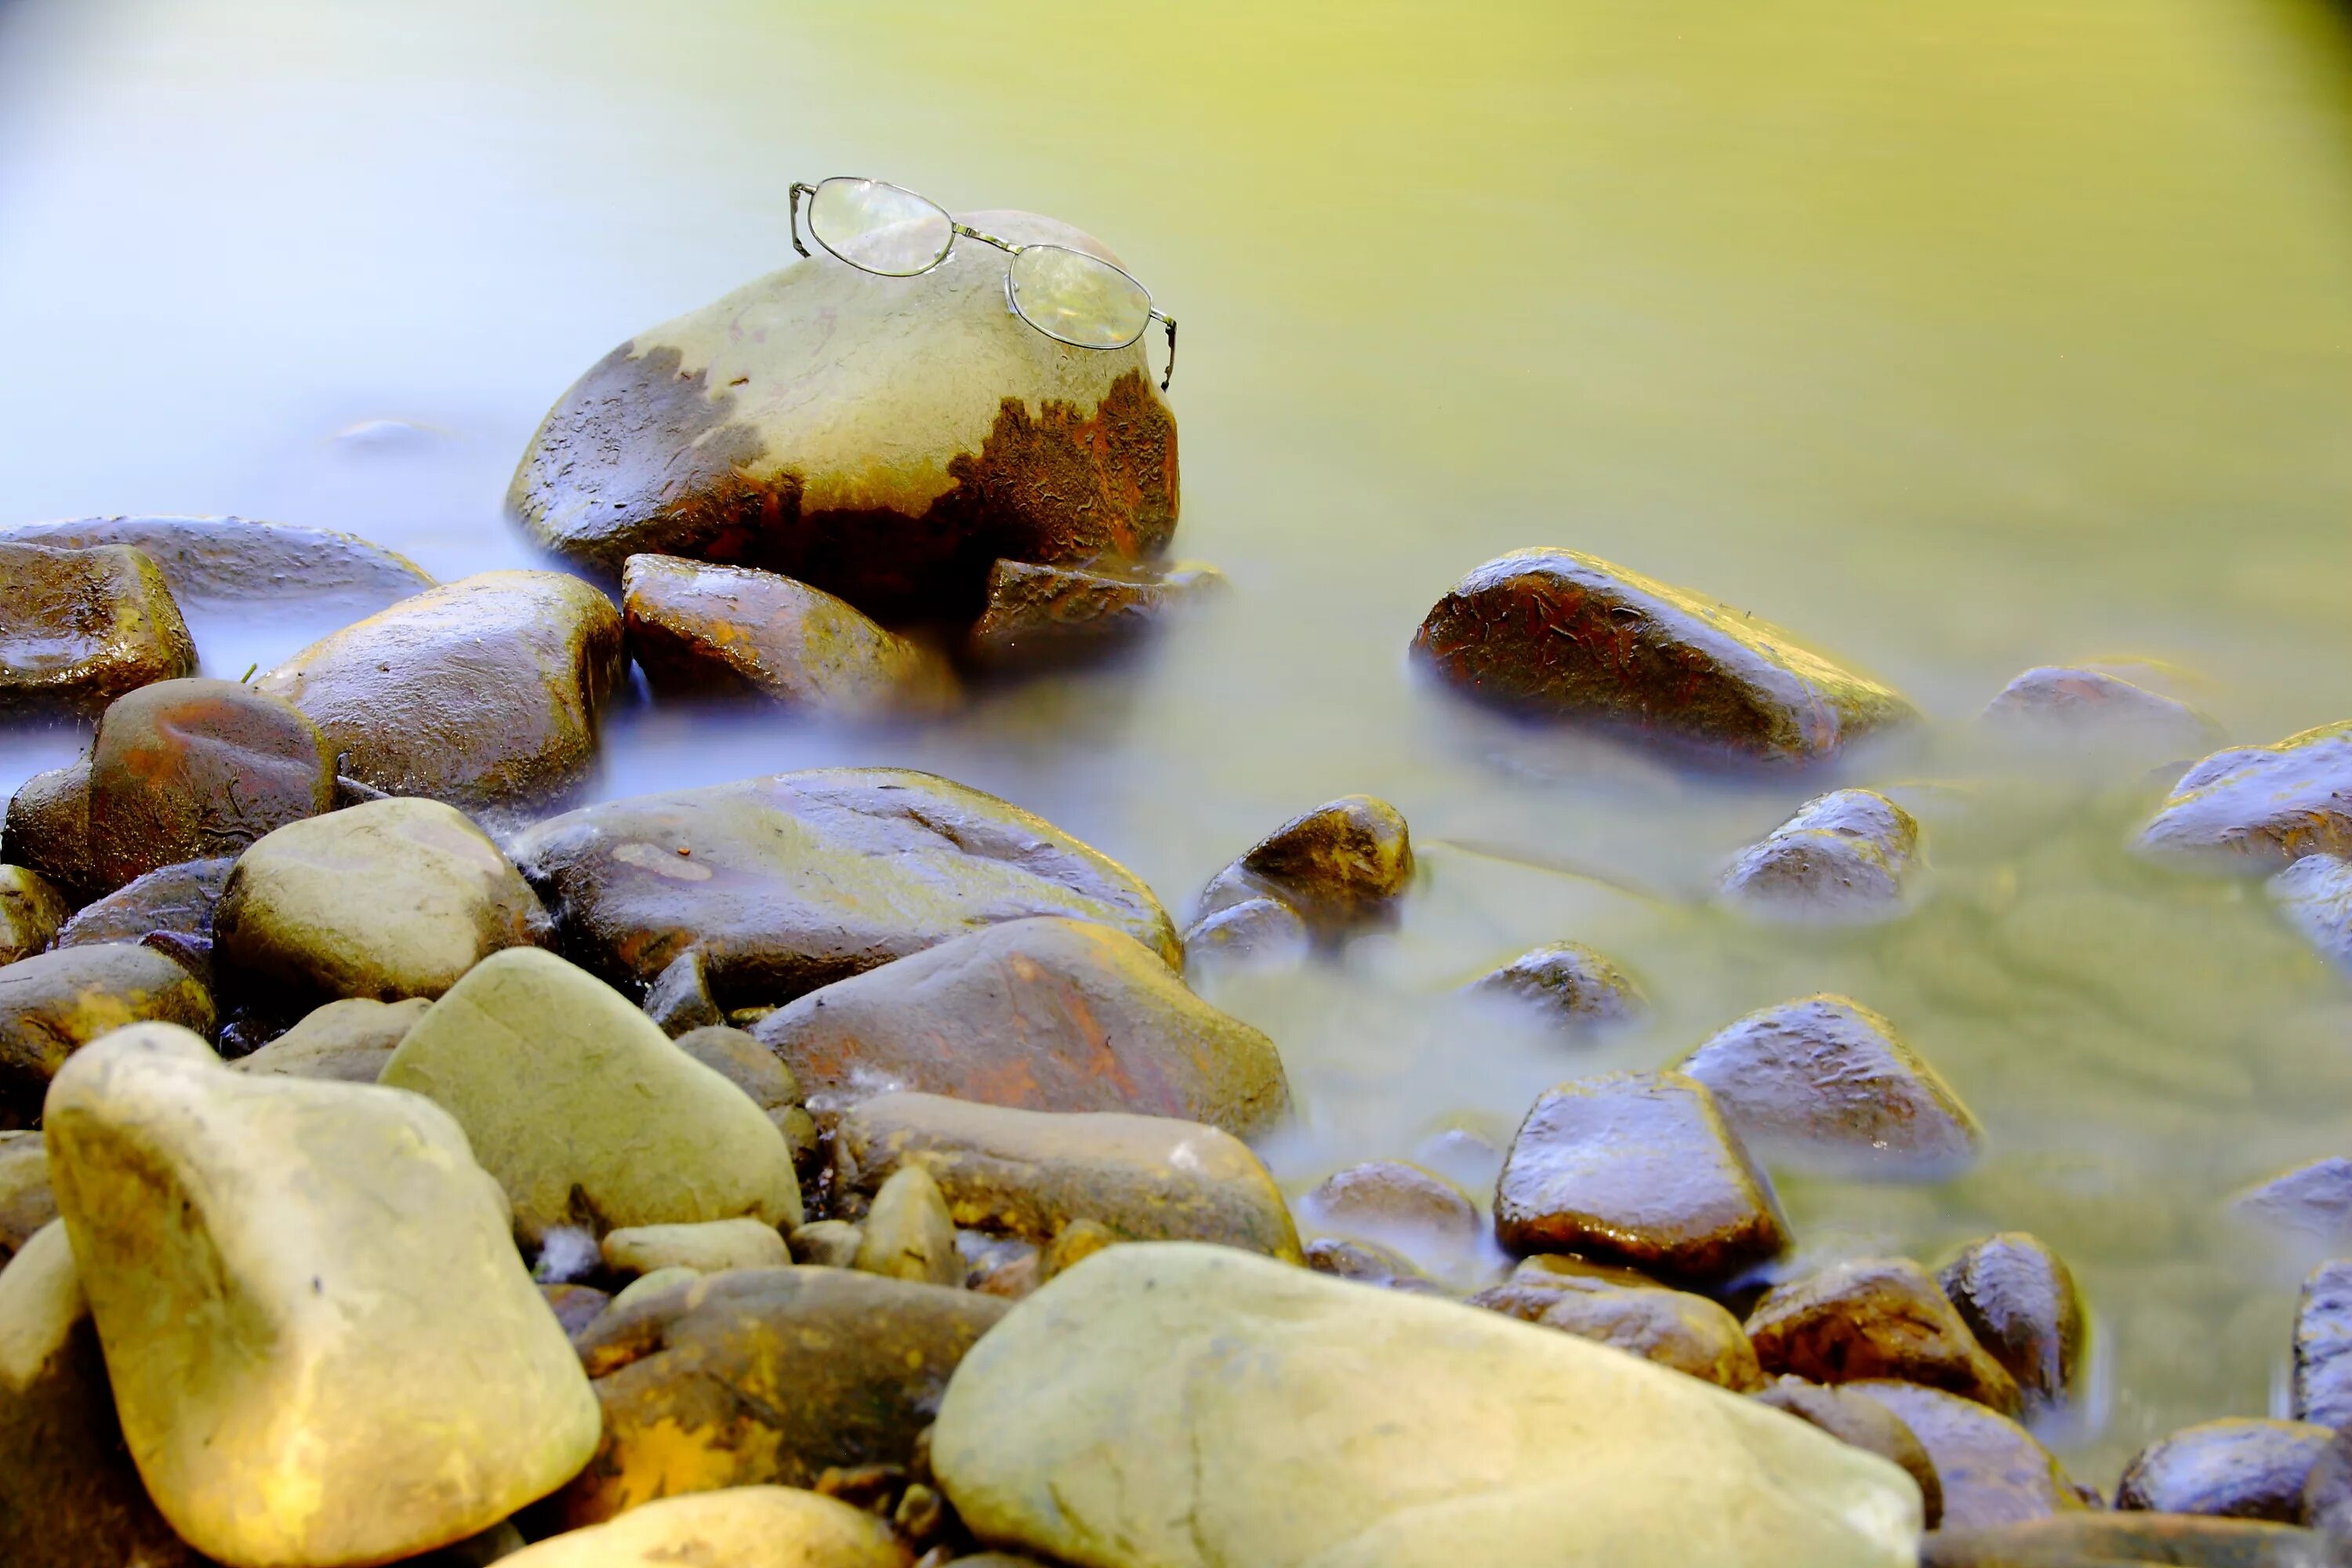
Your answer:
<point x="908" y="1233"/>
<point x="707" y="1248"/>
<point x="653" y="1284"/>
<point x="351" y="1039"/>
<point x="739" y="1527"/>
<point x="40" y="1301"/>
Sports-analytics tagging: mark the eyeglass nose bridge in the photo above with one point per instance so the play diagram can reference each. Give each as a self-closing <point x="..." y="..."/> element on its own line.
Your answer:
<point x="968" y="232"/>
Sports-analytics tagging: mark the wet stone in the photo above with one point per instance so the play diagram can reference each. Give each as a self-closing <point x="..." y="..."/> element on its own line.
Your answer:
<point x="31" y="911"/>
<point x="1860" y="1422"/>
<point x="1823" y="1084"/>
<point x="679" y="998"/>
<point x="797" y="881"/>
<point x="1560" y="634"/>
<point x="1670" y="1328"/>
<point x="1991" y="1469"/>
<point x="888" y="445"/>
<point x="1392" y="1201"/>
<point x="1574" y="986"/>
<point x="734" y="1054"/>
<point x="48" y="829"/>
<point x="706" y="1247"/>
<point x="1038" y="614"/>
<point x="1338" y="865"/>
<point x="2074" y="706"/>
<point x="1256" y="933"/>
<point x="1040" y="1014"/>
<point x="2260" y="808"/>
<point x="1877" y="1318"/>
<point x="2234" y="1468"/>
<point x="1362" y="1261"/>
<point x="81" y="627"/>
<point x="348" y="1040"/>
<point x="26" y="1200"/>
<point x="703" y="630"/>
<point x="2019" y="1299"/>
<point x="219" y="562"/>
<point x="179" y="901"/>
<point x="1639" y="1169"/>
<point x="2127" y="1541"/>
<point x="53" y="1005"/>
<point x="827" y="1243"/>
<point x="907" y="1233"/>
<point x="1844" y="856"/>
<point x="2323" y="1347"/>
<point x="2314" y="894"/>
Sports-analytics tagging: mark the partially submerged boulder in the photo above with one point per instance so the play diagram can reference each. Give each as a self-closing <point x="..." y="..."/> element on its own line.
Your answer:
<point x="2233" y="1468"/>
<point x="1339" y="866"/>
<point x="54" y="1005"/>
<point x="1396" y="1202"/>
<point x="1037" y="614"/>
<point x="2260" y="808"/>
<point x="2314" y="894"/>
<point x="81" y="627"/>
<point x="2019" y="1299"/>
<point x="221" y="562"/>
<point x="1569" y="983"/>
<point x="1844" y="856"/>
<point x="2078" y="707"/>
<point x="1877" y="1318"/>
<point x="31" y="911"/>
<point x="1558" y="634"/>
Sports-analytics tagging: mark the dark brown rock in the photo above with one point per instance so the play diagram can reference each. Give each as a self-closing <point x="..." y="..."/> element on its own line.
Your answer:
<point x="2323" y="1347"/>
<point x="2019" y="1299"/>
<point x="2074" y="706"/>
<point x="483" y="692"/>
<point x="2314" y="894"/>
<point x="31" y="911"/>
<point x="1639" y="1169"/>
<point x="1877" y="1318"/>
<point x="2260" y="808"/>
<point x="887" y="442"/>
<point x="1576" y="987"/>
<point x="1042" y="1015"/>
<point x="1561" y="635"/>
<point x="1031" y="1174"/>
<point x="347" y="1040"/>
<point x="1363" y="1262"/>
<point x="2127" y="1541"/>
<point x="762" y="1376"/>
<point x="1672" y="1328"/>
<point x="48" y="829"/>
<point x="26" y="1202"/>
<point x="53" y="1005"/>
<point x="81" y="627"/>
<point x="2234" y="1468"/>
<point x="1389" y="1200"/>
<point x="177" y="900"/>
<point x="1991" y="1469"/>
<point x="679" y="998"/>
<point x="794" y="881"/>
<point x="1338" y="865"/>
<point x="1537" y="1283"/>
<point x="699" y="629"/>
<point x="1844" y="856"/>
<point x="217" y="561"/>
<point x="1860" y="1422"/>
<point x="1038" y="613"/>
<point x="1825" y="1084"/>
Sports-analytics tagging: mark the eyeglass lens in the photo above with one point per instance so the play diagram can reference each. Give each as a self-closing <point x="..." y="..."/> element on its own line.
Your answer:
<point x="1078" y="299"/>
<point x="879" y="227"/>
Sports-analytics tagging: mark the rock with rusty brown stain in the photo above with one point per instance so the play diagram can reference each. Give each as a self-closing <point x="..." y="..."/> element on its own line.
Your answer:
<point x="1991" y="1469"/>
<point x="53" y="1005"/>
<point x="1823" y="1084"/>
<point x="1570" y="985"/>
<point x="196" y="770"/>
<point x="1040" y="614"/>
<point x="887" y="440"/>
<point x="2074" y="707"/>
<point x="1878" y="1317"/>
<point x="1672" y="1328"/>
<point x="1640" y="1169"/>
<point x="1862" y="1423"/>
<point x="1339" y="864"/>
<point x="1843" y="858"/>
<point x="1030" y="1173"/>
<point x="485" y="692"/>
<point x="2233" y="1468"/>
<point x="26" y="1200"/>
<point x="81" y="627"/>
<point x="907" y="1233"/>
<point x="2259" y="808"/>
<point x="700" y="629"/>
<point x="223" y="562"/>
<point x="2314" y="894"/>
<point x="2322" y="1346"/>
<point x="48" y="829"/>
<point x="2018" y="1296"/>
<point x="797" y="881"/>
<point x="2127" y="1541"/>
<point x="178" y="901"/>
<point x="31" y="911"/>
<point x="764" y="1376"/>
<point x="1561" y="635"/>
<point x="1394" y="1202"/>
<point x="348" y="1040"/>
<point x="1042" y="1015"/>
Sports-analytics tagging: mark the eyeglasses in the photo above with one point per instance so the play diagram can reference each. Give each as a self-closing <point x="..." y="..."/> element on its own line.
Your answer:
<point x="1071" y="296"/>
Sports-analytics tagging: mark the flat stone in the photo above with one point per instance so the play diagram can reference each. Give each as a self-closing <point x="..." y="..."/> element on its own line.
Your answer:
<point x="53" y="1005"/>
<point x="1040" y="1014"/>
<point x="699" y="629"/>
<point x="680" y="999"/>
<point x="1992" y="1470"/>
<point x="31" y="911"/>
<point x="1877" y="1318"/>
<point x="2323" y="1347"/>
<point x="178" y="901"/>
<point x="796" y="881"/>
<point x="1261" y="933"/>
<point x="197" y="769"/>
<point x="739" y="1526"/>
<point x="81" y="627"/>
<point x="1844" y="856"/>
<point x="888" y="441"/>
<point x="1037" y="614"/>
<point x="1825" y="1085"/>
<point x="393" y="898"/>
<point x="1570" y="985"/>
<point x="762" y="1375"/>
<point x="484" y="692"/>
<point x="1862" y="1423"/>
<point x="48" y="829"/>
<point x="1672" y="1328"/>
<point x="2253" y="808"/>
<point x="200" y="1208"/>
<point x="585" y="1111"/>
<point x="348" y="1041"/>
<point x="2076" y="706"/>
<point x="1639" y="1169"/>
<point x="26" y="1202"/>
<point x="222" y="561"/>
<point x="1031" y="1174"/>
<point x="706" y="1248"/>
<point x="1198" y="1405"/>
<point x="2234" y="1468"/>
<point x="2314" y="894"/>
<point x="2019" y="1299"/>
<point x="2127" y="1541"/>
<point x="1339" y="864"/>
<point x="1396" y="1202"/>
<point x="907" y="1233"/>
<point x="1561" y="635"/>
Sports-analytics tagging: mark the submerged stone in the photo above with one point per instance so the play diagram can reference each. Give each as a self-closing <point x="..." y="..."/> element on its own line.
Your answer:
<point x="2315" y="895"/>
<point x="54" y="1005"/>
<point x="2323" y="1347"/>
<point x="1561" y="635"/>
<point x="1572" y="984"/>
<point x="1877" y="1318"/>
<point x="2260" y="808"/>
<point x="217" y="561"/>
<point x="2077" y="706"/>
<point x="1992" y="1471"/>
<point x="1262" y="932"/>
<point x="31" y="911"/>
<point x="1843" y="856"/>
<point x="1862" y="1423"/>
<point x="2234" y="1468"/>
<point x="2018" y="1297"/>
<point x="739" y="1527"/>
<point x="1392" y="1201"/>
<point x="1038" y="613"/>
<point x="81" y="627"/>
<point x="2312" y="1200"/>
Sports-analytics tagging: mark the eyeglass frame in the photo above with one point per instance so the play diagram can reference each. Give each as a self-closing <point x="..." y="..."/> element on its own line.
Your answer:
<point x="957" y="228"/>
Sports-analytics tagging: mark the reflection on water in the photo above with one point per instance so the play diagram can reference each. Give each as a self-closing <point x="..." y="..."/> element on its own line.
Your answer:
<point x="1960" y="338"/>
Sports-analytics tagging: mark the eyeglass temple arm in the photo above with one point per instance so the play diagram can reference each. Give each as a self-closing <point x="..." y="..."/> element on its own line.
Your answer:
<point x="1170" y="321"/>
<point x="797" y="188"/>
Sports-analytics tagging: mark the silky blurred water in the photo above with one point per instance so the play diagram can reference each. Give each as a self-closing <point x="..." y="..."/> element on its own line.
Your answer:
<point x="1960" y="337"/>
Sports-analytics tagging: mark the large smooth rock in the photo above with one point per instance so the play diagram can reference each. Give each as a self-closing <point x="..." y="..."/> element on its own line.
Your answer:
<point x="1042" y="1015"/>
<point x="81" y="627"/>
<point x="584" y="1110"/>
<point x="31" y="911"/>
<point x="1640" y="1169"/>
<point x="1992" y="1469"/>
<point x="1877" y="1318"/>
<point x="1039" y="615"/>
<point x="222" y="561"/>
<point x="1570" y="985"/>
<point x="699" y="629"/>
<point x="2234" y="1468"/>
<point x="178" y="901"/>
<point x="884" y="439"/>
<point x="1562" y="635"/>
<point x="2314" y="894"/>
<point x="54" y="1005"/>
<point x="197" y="769"/>
<point x="740" y="1527"/>
<point x="762" y="1375"/>
<point x="2323" y="1347"/>
<point x="1173" y="1405"/>
<point x="482" y="692"/>
<point x="2260" y="808"/>
<point x="387" y="899"/>
<point x="1825" y="1084"/>
<point x="1032" y="1174"/>
<point x="48" y="829"/>
<point x="2018" y="1296"/>
<point x="322" y="1344"/>
<point x="796" y="881"/>
<point x="1844" y="857"/>
<point x="348" y="1041"/>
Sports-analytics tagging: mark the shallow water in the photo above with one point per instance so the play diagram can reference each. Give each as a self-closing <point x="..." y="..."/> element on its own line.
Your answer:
<point x="1960" y="337"/>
